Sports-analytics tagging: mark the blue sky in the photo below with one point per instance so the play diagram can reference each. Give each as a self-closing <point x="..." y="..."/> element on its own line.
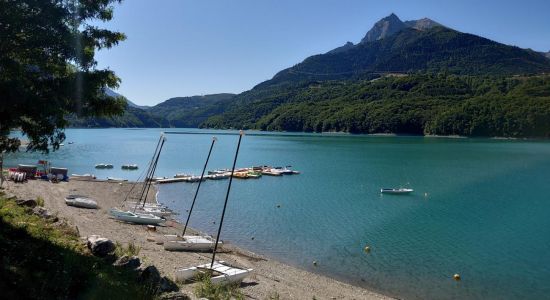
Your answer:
<point x="185" y="47"/>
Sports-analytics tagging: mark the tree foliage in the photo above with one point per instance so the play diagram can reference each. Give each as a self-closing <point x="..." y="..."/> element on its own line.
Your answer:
<point x="423" y="103"/>
<point x="48" y="70"/>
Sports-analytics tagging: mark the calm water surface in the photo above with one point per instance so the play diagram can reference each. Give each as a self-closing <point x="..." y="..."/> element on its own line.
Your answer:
<point x="480" y="208"/>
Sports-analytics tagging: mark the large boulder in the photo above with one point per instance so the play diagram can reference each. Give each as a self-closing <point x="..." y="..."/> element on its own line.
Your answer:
<point x="129" y="262"/>
<point x="167" y="285"/>
<point x="150" y="275"/>
<point x="100" y="246"/>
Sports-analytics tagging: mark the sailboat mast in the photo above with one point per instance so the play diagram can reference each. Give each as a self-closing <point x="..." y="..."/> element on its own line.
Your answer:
<point x="199" y="186"/>
<point x="148" y="173"/>
<point x="150" y="179"/>
<point x="241" y="133"/>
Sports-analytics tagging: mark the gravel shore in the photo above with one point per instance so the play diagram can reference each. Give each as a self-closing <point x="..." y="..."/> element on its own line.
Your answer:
<point x="269" y="279"/>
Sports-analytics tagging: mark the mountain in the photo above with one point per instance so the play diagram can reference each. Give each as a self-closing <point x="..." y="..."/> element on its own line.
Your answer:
<point x="174" y="112"/>
<point x="434" y="49"/>
<point x="112" y="93"/>
<point x="384" y="28"/>
<point x="547" y="54"/>
<point x="392" y="24"/>
<point x="414" y="77"/>
<point x="188" y="111"/>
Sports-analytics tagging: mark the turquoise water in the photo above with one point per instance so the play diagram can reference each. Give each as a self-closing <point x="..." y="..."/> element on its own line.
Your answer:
<point x="480" y="208"/>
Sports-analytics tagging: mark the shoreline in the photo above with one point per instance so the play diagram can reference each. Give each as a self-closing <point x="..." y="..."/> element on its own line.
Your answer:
<point x="270" y="277"/>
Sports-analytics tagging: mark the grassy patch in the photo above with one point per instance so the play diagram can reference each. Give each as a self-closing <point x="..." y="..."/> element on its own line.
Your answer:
<point x="39" y="259"/>
<point x="40" y="201"/>
<point x="130" y="250"/>
<point x="206" y="289"/>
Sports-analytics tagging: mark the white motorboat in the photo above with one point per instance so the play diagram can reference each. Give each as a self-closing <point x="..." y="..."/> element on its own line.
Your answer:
<point x="82" y="177"/>
<point x="272" y="172"/>
<point x="396" y="191"/>
<point x="138" y="218"/>
<point x="189" y="243"/>
<point x="80" y="201"/>
<point x="222" y="273"/>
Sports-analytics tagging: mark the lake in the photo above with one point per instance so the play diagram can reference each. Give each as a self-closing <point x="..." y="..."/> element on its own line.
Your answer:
<point x="480" y="207"/>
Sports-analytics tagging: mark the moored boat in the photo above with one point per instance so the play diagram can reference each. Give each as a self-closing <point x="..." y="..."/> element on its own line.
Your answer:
<point x="104" y="166"/>
<point x="396" y="191"/>
<point x="129" y="167"/>
<point x="272" y="172"/>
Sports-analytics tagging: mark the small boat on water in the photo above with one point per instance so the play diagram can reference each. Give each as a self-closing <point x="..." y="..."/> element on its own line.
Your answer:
<point x="129" y="167"/>
<point x="218" y="176"/>
<point x="221" y="272"/>
<point x="272" y="172"/>
<point x="189" y="243"/>
<point x="254" y="174"/>
<point x="80" y="201"/>
<point x="82" y="177"/>
<point x="104" y="166"/>
<point x="286" y="170"/>
<point x="396" y="191"/>
<point x="137" y="218"/>
<point x="241" y="175"/>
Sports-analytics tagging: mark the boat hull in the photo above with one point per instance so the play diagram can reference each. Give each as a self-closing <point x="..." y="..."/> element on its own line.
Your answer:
<point x="189" y="243"/>
<point x="229" y="274"/>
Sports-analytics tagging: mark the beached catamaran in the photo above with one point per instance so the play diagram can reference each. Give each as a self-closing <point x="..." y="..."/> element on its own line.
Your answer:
<point x="219" y="271"/>
<point x="191" y="242"/>
<point x="142" y="214"/>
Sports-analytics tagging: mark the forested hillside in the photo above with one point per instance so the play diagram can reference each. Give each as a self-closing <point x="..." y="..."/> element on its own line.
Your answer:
<point x="414" y="104"/>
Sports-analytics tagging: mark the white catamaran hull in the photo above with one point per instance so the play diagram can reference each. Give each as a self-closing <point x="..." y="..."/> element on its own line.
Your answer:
<point x="225" y="273"/>
<point x="189" y="243"/>
<point x="137" y="218"/>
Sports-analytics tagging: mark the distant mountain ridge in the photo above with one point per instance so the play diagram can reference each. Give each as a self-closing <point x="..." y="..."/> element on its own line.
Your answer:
<point x="174" y="112"/>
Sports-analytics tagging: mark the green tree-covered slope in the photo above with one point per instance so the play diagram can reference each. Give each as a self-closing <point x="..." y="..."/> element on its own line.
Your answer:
<point x="413" y="104"/>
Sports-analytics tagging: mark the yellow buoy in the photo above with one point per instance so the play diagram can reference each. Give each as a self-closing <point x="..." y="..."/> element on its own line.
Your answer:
<point x="456" y="277"/>
<point x="367" y="249"/>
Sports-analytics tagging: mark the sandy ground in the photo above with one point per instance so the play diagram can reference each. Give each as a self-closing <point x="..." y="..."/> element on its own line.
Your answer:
<point x="269" y="277"/>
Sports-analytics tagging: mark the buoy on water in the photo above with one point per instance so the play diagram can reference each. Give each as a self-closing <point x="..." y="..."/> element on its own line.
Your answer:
<point x="456" y="277"/>
<point x="315" y="263"/>
<point x="367" y="249"/>
<point x="278" y="205"/>
<point x="252" y="238"/>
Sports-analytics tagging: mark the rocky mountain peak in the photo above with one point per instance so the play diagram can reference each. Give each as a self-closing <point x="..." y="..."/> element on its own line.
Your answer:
<point x="383" y="28"/>
<point x="392" y="24"/>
